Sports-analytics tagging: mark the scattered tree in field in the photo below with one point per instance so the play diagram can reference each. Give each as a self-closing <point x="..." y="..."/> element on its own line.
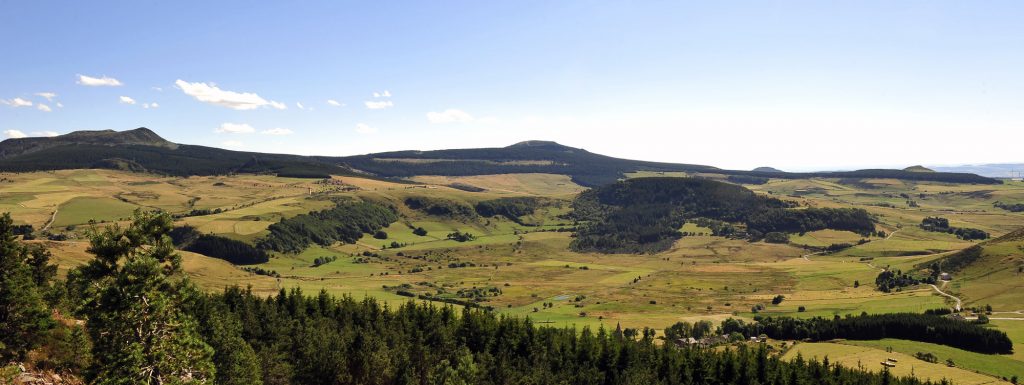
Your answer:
<point x="778" y="299"/>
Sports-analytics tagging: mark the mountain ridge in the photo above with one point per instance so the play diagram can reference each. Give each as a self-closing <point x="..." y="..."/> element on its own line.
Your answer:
<point x="142" y="149"/>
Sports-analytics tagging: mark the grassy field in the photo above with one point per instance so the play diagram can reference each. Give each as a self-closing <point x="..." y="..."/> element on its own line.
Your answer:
<point x="524" y="270"/>
<point x="990" y="364"/>
<point x="870" y="358"/>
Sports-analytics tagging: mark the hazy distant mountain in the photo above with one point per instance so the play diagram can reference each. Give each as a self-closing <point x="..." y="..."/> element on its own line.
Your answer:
<point x="143" y="150"/>
<point x="994" y="170"/>
<point x="918" y="168"/>
<point x="766" y="169"/>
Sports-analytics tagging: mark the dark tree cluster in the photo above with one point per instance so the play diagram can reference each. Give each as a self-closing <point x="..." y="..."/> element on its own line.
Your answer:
<point x="237" y="252"/>
<point x="440" y="207"/>
<point x="941" y="225"/>
<point x="747" y="179"/>
<point x="906" y="326"/>
<point x="511" y="208"/>
<point x="346" y="222"/>
<point x="1014" y="207"/>
<point x="644" y="215"/>
<point x="812" y="219"/>
<point x="890" y="280"/>
<point x="459" y="236"/>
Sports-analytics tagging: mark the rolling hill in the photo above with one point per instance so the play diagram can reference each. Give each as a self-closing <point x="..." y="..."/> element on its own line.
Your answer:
<point x="143" y="150"/>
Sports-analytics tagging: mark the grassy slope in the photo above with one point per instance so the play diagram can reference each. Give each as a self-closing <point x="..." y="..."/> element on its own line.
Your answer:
<point x="994" y="365"/>
<point x="870" y="358"/>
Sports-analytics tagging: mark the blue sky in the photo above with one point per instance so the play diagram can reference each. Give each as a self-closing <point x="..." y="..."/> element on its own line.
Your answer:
<point x="795" y="85"/>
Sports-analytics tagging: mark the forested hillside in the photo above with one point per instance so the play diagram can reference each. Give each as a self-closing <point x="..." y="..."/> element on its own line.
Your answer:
<point x="143" y="150"/>
<point x="645" y="214"/>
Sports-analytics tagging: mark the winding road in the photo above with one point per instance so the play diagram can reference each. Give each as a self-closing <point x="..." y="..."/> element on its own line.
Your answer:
<point x="50" y="222"/>
<point x="959" y="303"/>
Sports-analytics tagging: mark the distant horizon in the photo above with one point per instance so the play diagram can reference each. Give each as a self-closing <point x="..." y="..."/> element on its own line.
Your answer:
<point x="854" y="168"/>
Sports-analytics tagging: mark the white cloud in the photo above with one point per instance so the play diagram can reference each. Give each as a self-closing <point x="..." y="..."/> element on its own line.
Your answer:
<point x="385" y="94"/>
<point x="364" y="128"/>
<point x="157" y="89"/>
<point x="232" y="144"/>
<point x="60" y="105"/>
<point x="15" y="134"/>
<point x="379" y="105"/>
<point x="235" y="128"/>
<point x="17" y="102"/>
<point x="45" y="133"/>
<point x="43" y="107"/>
<point x="126" y="100"/>
<point x="210" y="93"/>
<point x="451" y="115"/>
<point x="98" y="82"/>
<point x="335" y="103"/>
<point x="299" y="104"/>
<point x="150" y="105"/>
<point x="46" y="95"/>
<point x="277" y="131"/>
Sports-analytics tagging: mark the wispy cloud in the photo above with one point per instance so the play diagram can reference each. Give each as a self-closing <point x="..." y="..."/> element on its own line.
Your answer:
<point x="365" y="129"/>
<point x="98" y="82"/>
<point x="44" y="108"/>
<point x="15" y="134"/>
<point x="335" y="103"/>
<point x="277" y="131"/>
<point x="45" y="133"/>
<point x="303" y="107"/>
<point x="375" y="105"/>
<point x="150" y="105"/>
<point x="384" y="94"/>
<point x="210" y="93"/>
<point x="46" y="95"/>
<point x="234" y="128"/>
<point x="17" y="102"/>
<point x="126" y="100"/>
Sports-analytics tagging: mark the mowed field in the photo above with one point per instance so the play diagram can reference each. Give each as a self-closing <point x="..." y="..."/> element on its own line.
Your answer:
<point x="525" y="269"/>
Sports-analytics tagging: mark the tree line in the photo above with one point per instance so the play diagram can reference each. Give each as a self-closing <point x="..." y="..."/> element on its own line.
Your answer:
<point x="906" y="326"/>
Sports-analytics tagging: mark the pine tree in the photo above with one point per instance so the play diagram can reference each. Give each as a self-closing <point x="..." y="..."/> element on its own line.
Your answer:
<point x="23" y="315"/>
<point x="140" y="334"/>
